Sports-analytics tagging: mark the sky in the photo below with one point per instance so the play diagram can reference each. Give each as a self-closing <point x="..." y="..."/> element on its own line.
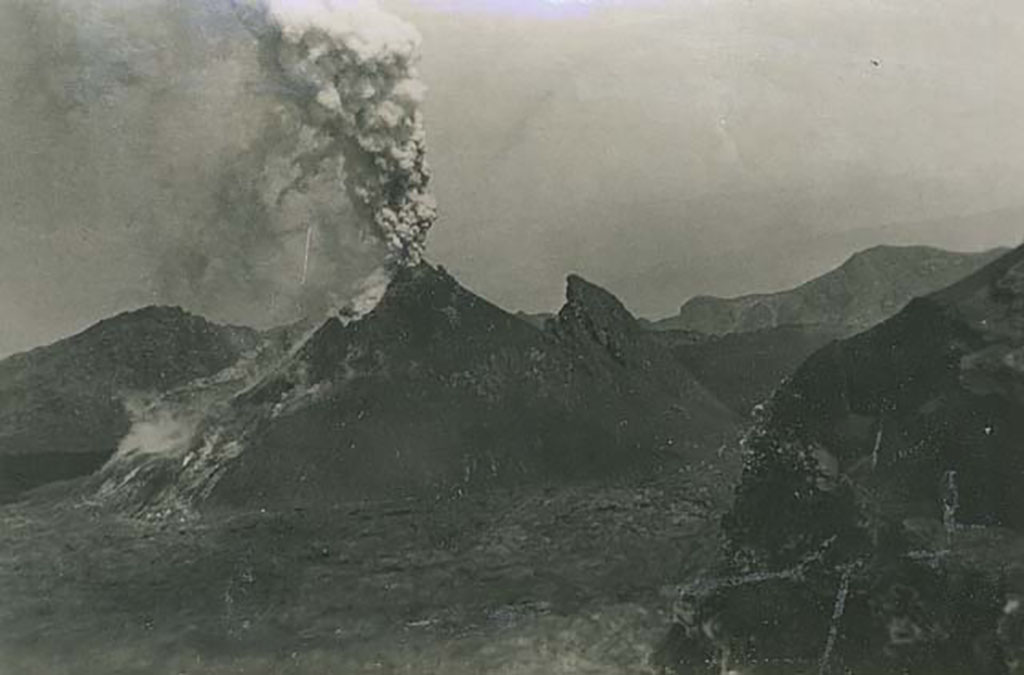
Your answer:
<point x="661" y="149"/>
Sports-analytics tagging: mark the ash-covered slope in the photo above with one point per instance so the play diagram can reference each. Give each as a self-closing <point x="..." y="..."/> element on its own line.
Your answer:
<point x="926" y="411"/>
<point x="868" y="288"/>
<point x="62" y="407"/>
<point x="437" y="390"/>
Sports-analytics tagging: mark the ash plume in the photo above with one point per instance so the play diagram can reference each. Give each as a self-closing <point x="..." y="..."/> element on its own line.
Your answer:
<point x="351" y="69"/>
<point x="255" y="162"/>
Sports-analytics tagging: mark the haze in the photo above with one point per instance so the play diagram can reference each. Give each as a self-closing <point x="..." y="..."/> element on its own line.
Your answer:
<point x="660" y="149"/>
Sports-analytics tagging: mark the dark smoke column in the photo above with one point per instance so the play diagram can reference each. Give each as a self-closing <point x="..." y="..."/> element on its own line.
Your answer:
<point x="350" y="67"/>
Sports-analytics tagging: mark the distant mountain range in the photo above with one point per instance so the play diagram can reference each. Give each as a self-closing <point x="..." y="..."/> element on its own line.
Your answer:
<point x="742" y="348"/>
<point x="869" y="287"/>
<point x="778" y="255"/>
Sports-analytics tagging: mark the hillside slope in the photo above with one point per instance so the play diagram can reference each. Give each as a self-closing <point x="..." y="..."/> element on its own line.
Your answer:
<point x="928" y="407"/>
<point x="438" y="391"/>
<point x="62" y="407"/>
<point x="880" y="502"/>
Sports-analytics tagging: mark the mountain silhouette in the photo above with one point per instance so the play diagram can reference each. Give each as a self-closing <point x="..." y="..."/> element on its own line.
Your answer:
<point x="436" y="390"/>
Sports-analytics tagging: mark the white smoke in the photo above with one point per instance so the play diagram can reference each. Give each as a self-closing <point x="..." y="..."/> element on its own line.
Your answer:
<point x="157" y="427"/>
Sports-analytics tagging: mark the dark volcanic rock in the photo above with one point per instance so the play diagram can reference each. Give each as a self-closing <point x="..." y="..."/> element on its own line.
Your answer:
<point x="438" y="390"/>
<point x="931" y="396"/>
<point x="874" y="499"/>
<point x="62" y="408"/>
<point x="596" y="328"/>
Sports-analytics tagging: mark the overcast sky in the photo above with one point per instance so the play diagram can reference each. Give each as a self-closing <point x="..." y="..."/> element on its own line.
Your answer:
<point x="663" y="149"/>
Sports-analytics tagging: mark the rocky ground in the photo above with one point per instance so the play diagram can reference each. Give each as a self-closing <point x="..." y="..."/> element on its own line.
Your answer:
<point x="577" y="580"/>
